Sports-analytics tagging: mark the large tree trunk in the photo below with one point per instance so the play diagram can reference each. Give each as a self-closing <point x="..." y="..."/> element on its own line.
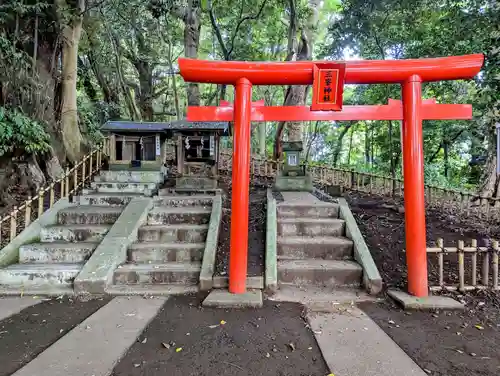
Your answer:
<point x="70" y="130"/>
<point x="338" y="147"/>
<point x="146" y="89"/>
<point x="262" y="138"/>
<point x="297" y="95"/>
<point x="192" y="28"/>
<point x="110" y="91"/>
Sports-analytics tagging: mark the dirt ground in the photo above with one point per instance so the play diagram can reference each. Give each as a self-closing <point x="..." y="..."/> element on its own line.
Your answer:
<point x="25" y="335"/>
<point x="256" y="229"/>
<point x="443" y="343"/>
<point x="188" y="340"/>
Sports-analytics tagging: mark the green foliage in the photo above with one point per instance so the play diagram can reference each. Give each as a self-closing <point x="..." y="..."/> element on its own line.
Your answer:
<point x="20" y="134"/>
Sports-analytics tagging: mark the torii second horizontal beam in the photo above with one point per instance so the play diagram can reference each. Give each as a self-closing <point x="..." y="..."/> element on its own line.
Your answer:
<point x="391" y="111"/>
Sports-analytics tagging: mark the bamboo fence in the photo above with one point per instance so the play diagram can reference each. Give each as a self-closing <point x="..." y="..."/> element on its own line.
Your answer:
<point x="73" y="180"/>
<point x="489" y="260"/>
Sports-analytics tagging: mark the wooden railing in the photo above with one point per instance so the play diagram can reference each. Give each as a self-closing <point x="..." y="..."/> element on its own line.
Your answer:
<point x="67" y="185"/>
<point x="488" y="258"/>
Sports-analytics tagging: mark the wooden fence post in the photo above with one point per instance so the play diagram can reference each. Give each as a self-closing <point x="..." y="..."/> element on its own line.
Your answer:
<point x="461" y="266"/>
<point x="13" y="223"/>
<point x="83" y="171"/>
<point x="474" y="263"/>
<point x="51" y="195"/>
<point x="67" y="182"/>
<point x="440" y="262"/>
<point x="40" y="202"/>
<point x="495" y="265"/>
<point x="486" y="267"/>
<point x="27" y="212"/>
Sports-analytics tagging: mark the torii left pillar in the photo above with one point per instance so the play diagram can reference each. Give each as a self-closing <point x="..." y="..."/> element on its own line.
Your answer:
<point x="241" y="181"/>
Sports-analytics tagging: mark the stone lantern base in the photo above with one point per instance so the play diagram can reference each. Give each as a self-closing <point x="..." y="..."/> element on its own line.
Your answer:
<point x="294" y="183"/>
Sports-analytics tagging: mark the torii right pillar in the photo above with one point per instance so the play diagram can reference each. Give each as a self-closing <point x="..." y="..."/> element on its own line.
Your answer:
<point x="413" y="173"/>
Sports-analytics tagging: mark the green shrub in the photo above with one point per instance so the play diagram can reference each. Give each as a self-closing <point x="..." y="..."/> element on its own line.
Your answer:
<point x="20" y="134"/>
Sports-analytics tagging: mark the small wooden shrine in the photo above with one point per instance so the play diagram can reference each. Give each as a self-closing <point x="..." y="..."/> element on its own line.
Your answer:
<point x="143" y="145"/>
<point x="135" y="144"/>
<point x="197" y="153"/>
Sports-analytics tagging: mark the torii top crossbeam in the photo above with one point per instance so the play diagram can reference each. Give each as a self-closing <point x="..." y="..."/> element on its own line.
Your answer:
<point x="356" y="72"/>
<point x="409" y="73"/>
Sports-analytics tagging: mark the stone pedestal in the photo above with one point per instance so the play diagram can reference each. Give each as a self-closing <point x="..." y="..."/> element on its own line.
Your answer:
<point x="294" y="183"/>
<point x="195" y="183"/>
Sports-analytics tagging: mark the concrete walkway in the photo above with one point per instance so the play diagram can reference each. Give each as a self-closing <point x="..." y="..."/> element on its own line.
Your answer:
<point x="353" y="345"/>
<point x="11" y="306"/>
<point x="95" y="346"/>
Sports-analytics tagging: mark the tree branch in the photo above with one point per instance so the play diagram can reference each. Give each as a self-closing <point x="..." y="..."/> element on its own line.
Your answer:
<point x="441" y="145"/>
<point x="240" y="22"/>
<point x="218" y="34"/>
<point x="179" y="12"/>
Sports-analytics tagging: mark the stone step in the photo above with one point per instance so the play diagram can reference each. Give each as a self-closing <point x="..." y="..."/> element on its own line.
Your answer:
<point x="38" y="275"/>
<point x="188" y="192"/>
<point x="105" y="199"/>
<point x="147" y="189"/>
<point x="173" y="233"/>
<point x="125" y="176"/>
<point x="165" y="252"/>
<point x="320" y="247"/>
<point x="56" y="252"/>
<point x="181" y="201"/>
<point x="89" y="214"/>
<point x="151" y="290"/>
<point x="314" y="210"/>
<point x="311" y="227"/>
<point x="187" y="215"/>
<point x="74" y="233"/>
<point x="166" y="273"/>
<point x="326" y="273"/>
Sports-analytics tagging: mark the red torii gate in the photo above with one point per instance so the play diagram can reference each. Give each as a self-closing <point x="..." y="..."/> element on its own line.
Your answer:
<point x="412" y="110"/>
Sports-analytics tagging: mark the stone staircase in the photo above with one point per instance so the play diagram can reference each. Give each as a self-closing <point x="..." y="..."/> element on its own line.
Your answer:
<point x="170" y="246"/>
<point x="50" y="265"/>
<point x="312" y="248"/>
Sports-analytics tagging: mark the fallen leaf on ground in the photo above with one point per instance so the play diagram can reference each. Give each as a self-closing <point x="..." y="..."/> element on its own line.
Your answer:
<point x="179" y="349"/>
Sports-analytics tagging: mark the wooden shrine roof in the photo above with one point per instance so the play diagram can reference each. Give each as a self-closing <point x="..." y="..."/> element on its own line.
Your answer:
<point x="158" y="127"/>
